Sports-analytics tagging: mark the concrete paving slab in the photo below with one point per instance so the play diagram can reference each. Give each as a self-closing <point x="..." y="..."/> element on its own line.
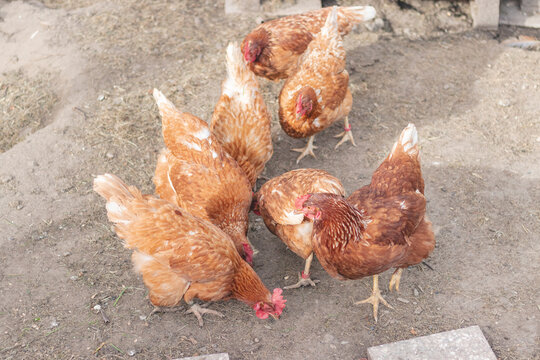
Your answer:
<point x="462" y="344"/>
<point x="220" y="356"/>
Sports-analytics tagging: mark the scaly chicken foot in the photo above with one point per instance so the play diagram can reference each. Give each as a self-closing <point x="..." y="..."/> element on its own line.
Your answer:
<point x="303" y="280"/>
<point x="198" y="311"/>
<point x="375" y="298"/>
<point x="303" y="277"/>
<point x="394" y="280"/>
<point x="345" y="135"/>
<point x="308" y="150"/>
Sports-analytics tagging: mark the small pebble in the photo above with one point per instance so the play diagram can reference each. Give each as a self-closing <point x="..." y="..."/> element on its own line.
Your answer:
<point x="97" y="307"/>
<point x="403" y="300"/>
<point x="256" y="340"/>
<point x="142" y="317"/>
<point x="131" y="352"/>
<point x="54" y="323"/>
<point x="73" y="277"/>
<point x="375" y="25"/>
<point x="67" y="253"/>
<point x="109" y="155"/>
<point x="418" y="310"/>
<point x="415" y="292"/>
<point x="504" y="103"/>
<point x="344" y="342"/>
<point x="101" y="97"/>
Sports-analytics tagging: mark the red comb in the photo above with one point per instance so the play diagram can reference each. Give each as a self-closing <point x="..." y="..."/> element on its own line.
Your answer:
<point x="278" y="301"/>
<point x="299" y="203"/>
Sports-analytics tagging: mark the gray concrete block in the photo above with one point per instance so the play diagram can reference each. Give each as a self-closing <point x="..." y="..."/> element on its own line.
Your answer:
<point x="299" y="7"/>
<point x="462" y="344"/>
<point x="511" y="14"/>
<point x="530" y="6"/>
<point x="485" y="14"/>
<point x="242" y="6"/>
<point x="221" y="356"/>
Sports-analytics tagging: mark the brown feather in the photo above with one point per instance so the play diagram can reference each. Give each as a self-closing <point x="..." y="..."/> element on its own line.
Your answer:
<point x="283" y="40"/>
<point x="196" y="173"/>
<point x="178" y="255"/>
<point x="276" y="203"/>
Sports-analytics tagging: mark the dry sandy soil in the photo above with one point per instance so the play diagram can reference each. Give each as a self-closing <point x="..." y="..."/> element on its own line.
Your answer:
<point x="75" y="102"/>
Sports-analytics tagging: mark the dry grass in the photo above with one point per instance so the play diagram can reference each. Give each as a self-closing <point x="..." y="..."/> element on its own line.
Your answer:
<point x="25" y="106"/>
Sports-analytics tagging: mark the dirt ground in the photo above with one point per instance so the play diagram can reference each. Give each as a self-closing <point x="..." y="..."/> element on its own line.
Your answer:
<point x="75" y="102"/>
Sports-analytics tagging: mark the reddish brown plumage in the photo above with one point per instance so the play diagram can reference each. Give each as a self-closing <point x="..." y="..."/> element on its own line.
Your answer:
<point x="241" y="121"/>
<point x="276" y="199"/>
<point x="197" y="174"/>
<point x="273" y="49"/>
<point x="179" y="255"/>
<point x="321" y="82"/>
<point x="381" y="225"/>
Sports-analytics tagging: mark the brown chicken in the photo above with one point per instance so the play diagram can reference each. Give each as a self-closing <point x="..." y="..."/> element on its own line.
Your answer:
<point x="180" y="255"/>
<point x="275" y="202"/>
<point x="273" y="48"/>
<point x="380" y="226"/>
<point x="196" y="173"/>
<point x="317" y="94"/>
<point x="241" y="121"/>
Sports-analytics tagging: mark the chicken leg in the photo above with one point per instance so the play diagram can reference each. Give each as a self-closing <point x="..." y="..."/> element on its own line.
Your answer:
<point x="346" y="135"/>
<point x="303" y="277"/>
<point x="375" y="298"/>
<point x="394" y="280"/>
<point x="308" y="150"/>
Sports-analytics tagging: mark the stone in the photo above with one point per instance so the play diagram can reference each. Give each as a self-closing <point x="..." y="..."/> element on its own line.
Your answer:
<point x="512" y="14"/>
<point x="241" y="6"/>
<point x="485" y="14"/>
<point x="298" y="8"/>
<point x="530" y="6"/>
<point x="221" y="356"/>
<point x="462" y="344"/>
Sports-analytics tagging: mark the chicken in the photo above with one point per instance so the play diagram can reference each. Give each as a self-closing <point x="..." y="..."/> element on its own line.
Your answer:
<point x="379" y="226"/>
<point x="275" y="202"/>
<point x="180" y="255"/>
<point x="273" y="48"/>
<point x="241" y="121"/>
<point x="196" y="173"/>
<point x="317" y="94"/>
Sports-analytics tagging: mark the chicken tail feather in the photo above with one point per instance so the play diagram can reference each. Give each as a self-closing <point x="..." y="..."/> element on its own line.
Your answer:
<point x="165" y="106"/>
<point x="331" y="24"/>
<point x="118" y="196"/>
<point x="358" y="14"/>
<point x="408" y="141"/>
<point x="236" y="67"/>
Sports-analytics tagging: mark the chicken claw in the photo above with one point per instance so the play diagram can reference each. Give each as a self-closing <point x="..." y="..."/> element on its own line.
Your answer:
<point x="375" y="298"/>
<point x="198" y="310"/>
<point x="345" y="135"/>
<point x="308" y="150"/>
<point x="303" y="280"/>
